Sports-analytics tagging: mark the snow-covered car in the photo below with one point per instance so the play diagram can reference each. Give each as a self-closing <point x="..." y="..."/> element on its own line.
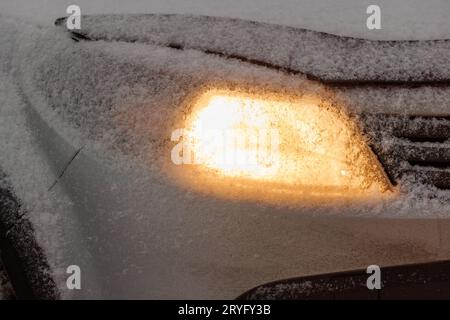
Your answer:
<point x="90" y="180"/>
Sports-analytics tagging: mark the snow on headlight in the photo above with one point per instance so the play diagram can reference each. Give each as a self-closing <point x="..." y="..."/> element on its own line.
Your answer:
<point x="268" y="146"/>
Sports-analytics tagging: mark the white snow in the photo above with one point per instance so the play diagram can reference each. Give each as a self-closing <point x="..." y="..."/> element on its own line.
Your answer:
<point x="320" y="55"/>
<point x="22" y="160"/>
<point x="118" y="99"/>
<point x="401" y="19"/>
<point x="128" y="95"/>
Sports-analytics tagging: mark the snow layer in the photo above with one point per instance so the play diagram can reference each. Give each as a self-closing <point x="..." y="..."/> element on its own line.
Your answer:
<point x="130" y="95"/>
<point x="30" y="177"/>
<point x="119" y="100"/>
<point x="320" y="55"/>
<point x="401" y="19"/>
<point x="28" y="171"/>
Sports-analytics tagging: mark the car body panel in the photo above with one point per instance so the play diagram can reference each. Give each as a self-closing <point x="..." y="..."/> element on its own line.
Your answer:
<point x="320" y="56"/>
<point x="136" y="233"/>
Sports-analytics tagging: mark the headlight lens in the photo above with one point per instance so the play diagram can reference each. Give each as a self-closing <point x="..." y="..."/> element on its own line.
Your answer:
<point x="261" y="144"/>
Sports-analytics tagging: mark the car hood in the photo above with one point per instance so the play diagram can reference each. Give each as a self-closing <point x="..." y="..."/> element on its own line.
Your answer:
<point x="318" y="55"/>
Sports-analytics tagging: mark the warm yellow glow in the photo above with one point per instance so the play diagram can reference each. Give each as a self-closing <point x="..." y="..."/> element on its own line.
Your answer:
<point x="286" y="145"/>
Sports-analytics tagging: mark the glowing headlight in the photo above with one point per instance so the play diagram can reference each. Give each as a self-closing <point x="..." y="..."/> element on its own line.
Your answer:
<point x="265" y="145"/>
